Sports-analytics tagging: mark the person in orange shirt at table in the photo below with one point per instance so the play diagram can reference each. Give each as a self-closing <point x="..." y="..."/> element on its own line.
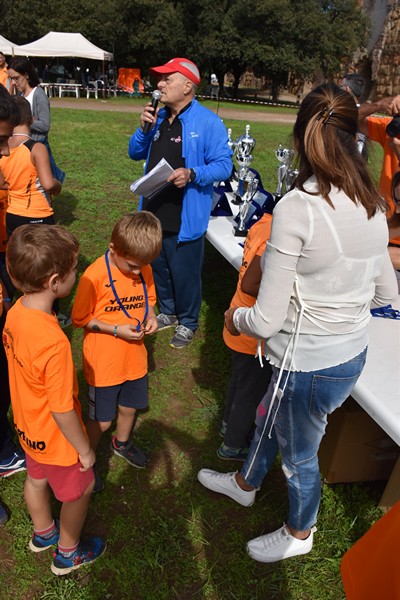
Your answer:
<point x="115" y="305"/>
<point x="376" y="129"/>
<point x="249" y="377"/>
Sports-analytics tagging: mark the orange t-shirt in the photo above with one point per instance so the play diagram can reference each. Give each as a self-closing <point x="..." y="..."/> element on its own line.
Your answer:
<point x="390" y="164"/>
<point x="42" y="381"/>
<point x="108" y="360"/>
<point x="3" y="208"/>
<point x="4" y="77"/>
<point x="26" y="196"/>
<point x="254" y="245"/>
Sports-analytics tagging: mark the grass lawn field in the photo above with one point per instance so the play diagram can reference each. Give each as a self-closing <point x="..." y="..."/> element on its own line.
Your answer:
<point x="168" y="538"/>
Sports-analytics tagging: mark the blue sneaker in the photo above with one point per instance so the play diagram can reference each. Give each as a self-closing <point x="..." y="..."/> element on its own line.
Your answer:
<point x="3" y="515"/>
<point x="13" y="464"/>
<point x="39" y="543"/>
<point x="87" y="551"/>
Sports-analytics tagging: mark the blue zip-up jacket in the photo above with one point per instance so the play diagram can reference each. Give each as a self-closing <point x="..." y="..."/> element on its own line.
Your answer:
<point x="204" y="149"/>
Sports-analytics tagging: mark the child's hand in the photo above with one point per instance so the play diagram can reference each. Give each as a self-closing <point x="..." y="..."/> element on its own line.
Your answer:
<point x="128" y="333"/>
<point x="87" y="460"/>
<point x="151" y="325"/>
<point x="229" y="321"/>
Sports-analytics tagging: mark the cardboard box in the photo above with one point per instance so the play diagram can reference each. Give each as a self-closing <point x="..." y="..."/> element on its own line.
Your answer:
<point x="355" y="448"/>
<point x="391" y="494"/>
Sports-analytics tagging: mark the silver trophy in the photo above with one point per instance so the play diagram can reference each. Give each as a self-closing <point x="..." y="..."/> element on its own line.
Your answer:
<point x="250" y="185"/>
<point x="244" y="146"/>
<point x="231" y="143"/>
<point x="284" y="155"/>
<point x="291" y="175"/>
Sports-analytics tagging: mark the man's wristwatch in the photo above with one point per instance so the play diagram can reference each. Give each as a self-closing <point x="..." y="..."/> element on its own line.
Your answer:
<point x="192" y="176"/>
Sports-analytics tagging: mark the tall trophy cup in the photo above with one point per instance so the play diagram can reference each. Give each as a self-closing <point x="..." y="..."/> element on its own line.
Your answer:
<point x="250" y="184"/>
<point x="244" y="146"/>
<point x="284" y="155"/>
<point x="231" y="143"/>
<point x="291" y="175"/>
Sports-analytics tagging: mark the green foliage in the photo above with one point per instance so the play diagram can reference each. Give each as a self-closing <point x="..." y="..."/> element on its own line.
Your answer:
<point x="168" y="538"/>
<point x="293" y="37"/>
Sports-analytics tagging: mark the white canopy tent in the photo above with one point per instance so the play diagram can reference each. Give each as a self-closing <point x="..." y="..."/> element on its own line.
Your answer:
<point x="7" y="47"/>
<point x="58" y="44"/>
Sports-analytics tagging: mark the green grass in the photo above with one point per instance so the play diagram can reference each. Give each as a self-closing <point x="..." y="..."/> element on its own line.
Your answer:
<point x="168" y="538"/>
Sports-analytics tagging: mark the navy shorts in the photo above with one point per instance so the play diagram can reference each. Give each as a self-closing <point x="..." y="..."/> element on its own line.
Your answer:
<point x="103" y="401"/>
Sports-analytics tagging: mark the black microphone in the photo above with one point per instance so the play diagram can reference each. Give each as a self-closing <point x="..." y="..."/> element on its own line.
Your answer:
<point x="155" y="98"/>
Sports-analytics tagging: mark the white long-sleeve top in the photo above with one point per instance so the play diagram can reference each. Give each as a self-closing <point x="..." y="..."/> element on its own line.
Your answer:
<point x="321" y="270"/>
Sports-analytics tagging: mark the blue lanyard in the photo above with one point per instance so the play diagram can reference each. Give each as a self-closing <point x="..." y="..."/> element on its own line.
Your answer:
<point x="118" y="300"/>
<point x="386" y="312"/>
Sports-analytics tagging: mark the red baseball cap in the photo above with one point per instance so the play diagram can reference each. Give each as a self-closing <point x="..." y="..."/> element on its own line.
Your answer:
<point x="179" y="65"/>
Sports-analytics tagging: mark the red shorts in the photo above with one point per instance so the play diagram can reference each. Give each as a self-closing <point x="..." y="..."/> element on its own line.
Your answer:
<point x="67" y="483"/>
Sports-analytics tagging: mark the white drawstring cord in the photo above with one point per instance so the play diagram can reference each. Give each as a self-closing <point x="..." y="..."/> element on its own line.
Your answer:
<point x="278" y="392"/>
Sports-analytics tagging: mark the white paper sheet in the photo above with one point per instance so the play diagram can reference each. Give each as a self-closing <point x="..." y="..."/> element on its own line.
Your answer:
<point x="154" y="180"/>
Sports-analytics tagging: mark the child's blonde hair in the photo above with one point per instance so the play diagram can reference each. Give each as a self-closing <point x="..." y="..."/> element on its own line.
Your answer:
<point x="138" y="235"/>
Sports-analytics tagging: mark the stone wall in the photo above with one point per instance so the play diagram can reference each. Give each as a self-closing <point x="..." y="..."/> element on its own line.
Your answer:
<point x="385" y="57"/>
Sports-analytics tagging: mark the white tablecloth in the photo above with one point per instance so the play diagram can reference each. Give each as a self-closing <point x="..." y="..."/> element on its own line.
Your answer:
<point x="378" y="388"/>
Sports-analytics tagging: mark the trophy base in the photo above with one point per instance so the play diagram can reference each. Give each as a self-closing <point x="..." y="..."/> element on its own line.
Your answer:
<point x="240" y="232"/>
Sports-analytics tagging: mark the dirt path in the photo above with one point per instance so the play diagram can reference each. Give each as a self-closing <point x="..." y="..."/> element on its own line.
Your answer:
<point x="224" y="112"/>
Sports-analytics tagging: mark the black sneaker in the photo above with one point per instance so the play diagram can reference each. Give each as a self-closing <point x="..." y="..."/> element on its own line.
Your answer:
<point x="13" y="464"/>
<point x="87" y="551"/>
<point x="182" y="338"/>
<point x="165" y="321"/>
<point x="228" y="453"/>
<point x="132" y="454"/>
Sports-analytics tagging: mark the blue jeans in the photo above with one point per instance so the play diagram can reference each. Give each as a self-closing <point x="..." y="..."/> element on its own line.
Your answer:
<point x="177" y="275"/>
<point x="299" y="423"/>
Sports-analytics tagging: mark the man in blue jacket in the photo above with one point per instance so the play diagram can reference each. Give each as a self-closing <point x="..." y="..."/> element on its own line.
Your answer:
<point x="195" y="143"/>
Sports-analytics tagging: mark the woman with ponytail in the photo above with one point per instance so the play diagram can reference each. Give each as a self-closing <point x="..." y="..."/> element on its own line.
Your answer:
<point x="325" y="263"/>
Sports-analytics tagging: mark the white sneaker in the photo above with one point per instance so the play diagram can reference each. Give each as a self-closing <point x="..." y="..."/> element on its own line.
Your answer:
<point x="225" y="483"/>
<point x="279" y="545"/>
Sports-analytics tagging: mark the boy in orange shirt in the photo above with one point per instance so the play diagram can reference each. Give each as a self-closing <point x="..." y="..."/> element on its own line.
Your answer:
<point x="114" y="304"/>
<point x="249" y="380"/>
<point x="44" y="394"/>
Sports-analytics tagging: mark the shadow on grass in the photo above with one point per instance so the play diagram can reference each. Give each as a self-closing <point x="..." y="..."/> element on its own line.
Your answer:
<point x="167" y="536"/>
<point x="64" y="208"/>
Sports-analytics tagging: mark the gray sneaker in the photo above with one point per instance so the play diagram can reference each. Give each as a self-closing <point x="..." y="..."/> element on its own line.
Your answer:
<point x="64" y="320"/>
<point x="183" y="336"/>
<point x="165" y="321"/>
